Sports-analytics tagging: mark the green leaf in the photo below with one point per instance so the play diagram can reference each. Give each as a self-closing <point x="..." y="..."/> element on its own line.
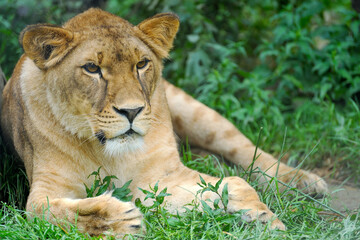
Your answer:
<point x="122" y="194"/>
<point x="321" y="67"/>
<point x="202" y="181"/>
<point x="156" y="187"/>
<point x="294" y="81"/>
<point x="206" y="207"/>
<point x="150" y="195"/>
<point x="102" y="189"/>
<point x="126" y="185"/>
<point x="216" y="203"/>
<point x="95" y="173"/>
<point x="161" y="196"/>
<point x="138" y="203"/>
<point x="325" y="87"/>
<point x="225" y="195"/>
<point x="217" y="185"/>
<point x="175" y="222"/>
<point x="144" y="191"/>
<point x="108" y="178"/>
<point x="211" y="187"/>
<point x="101" y="186"/>
<point x="89" y="193"/>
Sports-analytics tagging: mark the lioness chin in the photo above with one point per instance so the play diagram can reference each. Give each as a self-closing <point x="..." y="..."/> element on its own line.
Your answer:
<point x="90" y="94"/>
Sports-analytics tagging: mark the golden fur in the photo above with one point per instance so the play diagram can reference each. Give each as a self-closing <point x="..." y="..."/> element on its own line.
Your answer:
<point x="90" y="94"/>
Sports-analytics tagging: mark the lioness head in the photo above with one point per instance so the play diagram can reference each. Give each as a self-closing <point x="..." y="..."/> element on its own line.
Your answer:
<point x="101" y="73"/>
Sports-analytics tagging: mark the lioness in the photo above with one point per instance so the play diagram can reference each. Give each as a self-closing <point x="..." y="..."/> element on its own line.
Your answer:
<point x="90" y="94"/>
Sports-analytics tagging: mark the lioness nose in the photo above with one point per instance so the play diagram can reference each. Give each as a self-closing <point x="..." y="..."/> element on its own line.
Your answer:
<point x="129" y="113"/>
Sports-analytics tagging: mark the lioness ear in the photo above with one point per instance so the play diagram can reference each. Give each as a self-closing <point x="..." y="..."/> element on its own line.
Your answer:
<point x="46" y="44"/>
<point x="160" y="32"/>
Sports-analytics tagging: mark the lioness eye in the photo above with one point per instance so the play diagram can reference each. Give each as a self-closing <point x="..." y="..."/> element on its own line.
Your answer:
<point x="142" y="64"/>
<point x="92" y="68"/>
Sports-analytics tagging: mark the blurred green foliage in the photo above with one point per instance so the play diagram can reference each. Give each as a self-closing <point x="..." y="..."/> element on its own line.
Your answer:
<point x="277" y="64"/>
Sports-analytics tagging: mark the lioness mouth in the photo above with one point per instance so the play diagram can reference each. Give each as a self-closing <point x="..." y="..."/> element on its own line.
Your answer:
<point x="102" y="138"/>
<point x="129" y="132"/>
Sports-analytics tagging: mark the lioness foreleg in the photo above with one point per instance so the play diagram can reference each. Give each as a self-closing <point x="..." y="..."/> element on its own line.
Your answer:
<point x="183" y="186"/>
<point x="98" y="215"/>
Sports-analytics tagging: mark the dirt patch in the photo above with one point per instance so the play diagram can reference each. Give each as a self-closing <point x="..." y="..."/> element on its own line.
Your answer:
<point x="343" y="197"/>
<point x="344" y="192"/>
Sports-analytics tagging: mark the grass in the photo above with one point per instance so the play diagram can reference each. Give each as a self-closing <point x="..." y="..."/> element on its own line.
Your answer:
<point x="304" y="218"/>
<point x="14" y="186"/>
<point x="14" y="225"/>
<point x="330" y="133"/>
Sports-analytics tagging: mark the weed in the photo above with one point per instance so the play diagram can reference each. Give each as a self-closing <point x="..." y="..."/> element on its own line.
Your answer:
<point x="223" y="196"/>
<point x="100" y="186"/>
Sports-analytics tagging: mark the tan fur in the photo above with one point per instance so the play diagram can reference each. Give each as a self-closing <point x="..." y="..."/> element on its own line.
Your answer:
<point x="65" y="122"/>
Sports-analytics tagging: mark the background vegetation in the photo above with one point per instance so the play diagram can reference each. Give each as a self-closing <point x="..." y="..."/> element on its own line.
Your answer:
<point x="291" y="67"/>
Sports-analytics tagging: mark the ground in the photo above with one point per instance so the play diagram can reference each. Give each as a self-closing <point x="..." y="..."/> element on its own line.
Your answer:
<point x="345" y="197"/>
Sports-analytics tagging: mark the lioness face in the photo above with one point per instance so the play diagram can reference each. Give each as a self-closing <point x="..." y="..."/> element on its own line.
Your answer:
<point x="102" y="74"/>
<point x="111" y="86"/>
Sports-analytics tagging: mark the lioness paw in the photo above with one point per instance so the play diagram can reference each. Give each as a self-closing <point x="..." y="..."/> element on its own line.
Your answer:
<point x="305" y="181"/>
<point x="243" y="197"/>
<point x="108" y="215"/>
<point x="257" y="211"/>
